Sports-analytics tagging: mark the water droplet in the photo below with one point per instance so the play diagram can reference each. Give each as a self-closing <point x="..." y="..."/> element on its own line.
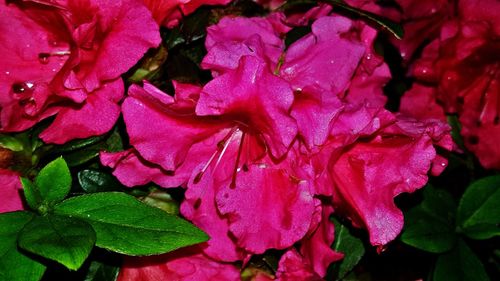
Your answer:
<point x="7" y="72"/>
<point x="18" y="88"/>
<point x="44" y="58"/>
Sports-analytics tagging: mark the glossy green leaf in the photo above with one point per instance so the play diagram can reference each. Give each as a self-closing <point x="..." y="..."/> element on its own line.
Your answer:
<point x="96" y="181"/>
<point x="62" y="239"/>
<point x="125" y="225"/>
<point x="348" y="244"/>
<point x="430" y="225"/>
<point x="14" y="265"/>
<point x="54" y="181"/>
<point x="478" y="214"/>
<point x="461" y="264"/>
<point x="31" y="194"/>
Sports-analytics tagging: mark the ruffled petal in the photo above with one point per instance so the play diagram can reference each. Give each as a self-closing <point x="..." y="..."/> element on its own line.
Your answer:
<point x="95" y="116"/>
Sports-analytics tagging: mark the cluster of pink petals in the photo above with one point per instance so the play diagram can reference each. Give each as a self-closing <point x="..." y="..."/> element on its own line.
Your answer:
<point x="65" y="58"/>
<point x="168" y="13"/>
<point x="274" y="144"/>
<point x="459" y="73"/>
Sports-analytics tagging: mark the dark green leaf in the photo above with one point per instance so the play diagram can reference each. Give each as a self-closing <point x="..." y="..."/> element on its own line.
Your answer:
<point x="77" y="144"/>
<point x="54" y="181"/>
<point x="96" y="181"/>
<point x="461" y="264"/>
<point x="125" y="225"/>
<point x="15" y="266"/>
<point x="348" y="244"/>
<point x="427" y="233"/>
<point x="62" y="239"/>
<point x="429" y="226"/>
<point x="99" y="271"/>
<point x="478" y="208"/>
<point x="31" y="194"/>
<point x="386" y="24"/>
<point x="83" y="156"/>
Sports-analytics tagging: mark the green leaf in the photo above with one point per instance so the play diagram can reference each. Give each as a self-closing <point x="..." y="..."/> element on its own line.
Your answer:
<point x="99" y="271"/>
<point x="346" y="243"/>
<point x="125" y="225"/>
<point x="478" y="214"/>
<point x="77" y="144"/>
<point x="54" y="181"/>
<point x="461" y="264"/>
<point x="430" y="225"/>
<point x="11" y="143"/>
<point x="96" y="181"/>
<point x="14" y="265"/>
<point x="31" y="194"/>
<point x="62" y="239"/>
<point x="427" y="233"/>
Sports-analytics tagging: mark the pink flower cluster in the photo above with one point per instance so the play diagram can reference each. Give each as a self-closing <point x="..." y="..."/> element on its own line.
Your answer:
<point x="459" y="73"/>
<point x="280" y="139"/>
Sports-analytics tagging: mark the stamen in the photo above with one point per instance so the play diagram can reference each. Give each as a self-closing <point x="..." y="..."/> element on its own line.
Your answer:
<point x="221" y="148"/>
<point x="44" y="57"/>
<point x="235" y="170"/>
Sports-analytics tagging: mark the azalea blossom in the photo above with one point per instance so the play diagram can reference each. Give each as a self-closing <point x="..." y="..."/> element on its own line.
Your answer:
<point x="58" y="58"/>
<point x="462" y="69"/>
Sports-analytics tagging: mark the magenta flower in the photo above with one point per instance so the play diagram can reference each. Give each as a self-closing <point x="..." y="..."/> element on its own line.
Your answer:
<point x="168" y="13"/>
<point x="64" y="68"/>
<point x="182" y="265"/>
<point x="292" y="267"/>
<point x="463" y="67"/>
<point x="11" y="191"/>
<point x="369" y="174"/>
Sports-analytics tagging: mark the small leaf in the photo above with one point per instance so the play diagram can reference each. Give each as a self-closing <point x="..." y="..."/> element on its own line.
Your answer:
<point x="31" y="194"/>
<point x="15" y="266"/>
<point x="478" y="208"/>
<point x="348" y="244"/>
<point x="11" y="143"/>
<point x="430" y="225"/>
<point x="96" y="181"/>
<point x="125" y="225"/>
<point x="461" y="264"/>
<point x="99" y="271"/>
<point x="65" y="240"/>
<point x="54" y="181"/>
<point x="77" y="144"/>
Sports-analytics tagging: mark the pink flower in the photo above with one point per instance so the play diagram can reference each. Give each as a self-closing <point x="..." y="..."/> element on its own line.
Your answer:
<point x="64" y="68"/>
<point x="463" y="66"/>
<point x="182" y="265"/>
<point x="292" y="267"/>
<point x="11" y="191"/>
<point x="316" y="247"/>
<point x="168" y="13"/>
<point x="226" y="44"/>
<point x="369" y="174"/>
<point x="237" y="123"/>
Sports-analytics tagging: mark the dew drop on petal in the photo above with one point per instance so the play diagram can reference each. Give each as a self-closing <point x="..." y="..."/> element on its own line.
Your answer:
<point x="43" y="58"/>
<point x="18" y="88"/>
